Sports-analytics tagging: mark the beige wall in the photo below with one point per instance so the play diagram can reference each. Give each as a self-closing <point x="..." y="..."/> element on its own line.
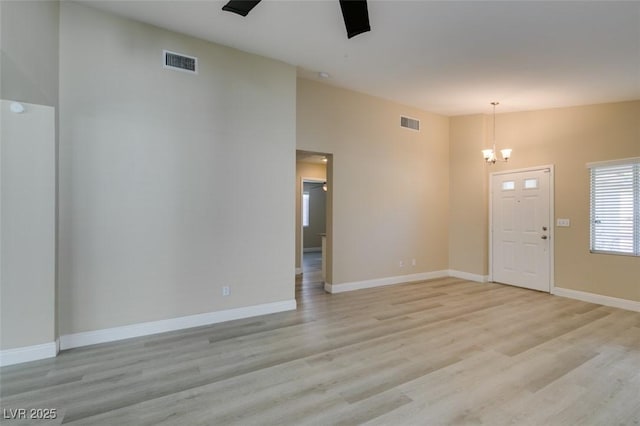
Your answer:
<point x="27" y="226"/>
<point x="568" y="138"/>
<point x="157" y="168"/>
<point x="468" y="196"/>
<point x="390" y="185"/>
<point x="29" y="51"/>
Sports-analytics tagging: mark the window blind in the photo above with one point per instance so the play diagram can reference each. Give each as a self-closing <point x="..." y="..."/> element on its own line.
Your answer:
<point x="615" y="208"/>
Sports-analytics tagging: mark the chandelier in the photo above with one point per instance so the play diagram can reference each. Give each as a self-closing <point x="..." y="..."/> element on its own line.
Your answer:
<point x="490" y="155"/>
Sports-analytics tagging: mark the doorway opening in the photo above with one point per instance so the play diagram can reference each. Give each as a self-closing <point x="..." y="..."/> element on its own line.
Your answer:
<point x="313" y="219"/>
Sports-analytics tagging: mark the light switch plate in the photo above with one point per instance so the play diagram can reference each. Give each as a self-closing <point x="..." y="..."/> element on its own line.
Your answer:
<point x="563" y="223"/>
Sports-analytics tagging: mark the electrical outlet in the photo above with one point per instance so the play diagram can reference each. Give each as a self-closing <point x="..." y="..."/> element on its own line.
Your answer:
<point x="401" y="263"/>
<point x="225" y="290"/>
<point x="413" y="262"/>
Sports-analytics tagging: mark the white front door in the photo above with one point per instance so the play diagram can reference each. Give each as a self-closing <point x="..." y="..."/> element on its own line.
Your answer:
<point x="520" y="228"/>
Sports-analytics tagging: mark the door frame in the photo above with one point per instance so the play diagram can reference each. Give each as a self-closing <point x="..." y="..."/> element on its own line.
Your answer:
<point x="552" y="223"/>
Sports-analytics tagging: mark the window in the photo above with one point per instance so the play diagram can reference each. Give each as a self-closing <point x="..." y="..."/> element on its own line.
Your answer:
<point x="531" y="183"/>
<point x="305" y="209"/>
<point x="508" y="185"/>
<point x="615" y="207"/>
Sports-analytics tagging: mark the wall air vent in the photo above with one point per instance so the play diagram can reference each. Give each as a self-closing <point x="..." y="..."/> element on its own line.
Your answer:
<point x="410" y="123"/>
<point x="180" y="62"/>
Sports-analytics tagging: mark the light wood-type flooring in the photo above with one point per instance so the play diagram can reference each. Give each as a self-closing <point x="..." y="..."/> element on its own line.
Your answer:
<point x="441" y="352"/>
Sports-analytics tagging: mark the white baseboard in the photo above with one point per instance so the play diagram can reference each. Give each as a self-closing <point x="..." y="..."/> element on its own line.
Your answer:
<point x="400" y="279"/>
<point x="86" y="338"/>
<point x="28" y="353"/>
<point x="468" y="276"/>
<point x="298" y="271"/>
<point x="312" y="250"/>
<point x="614" y="302"/>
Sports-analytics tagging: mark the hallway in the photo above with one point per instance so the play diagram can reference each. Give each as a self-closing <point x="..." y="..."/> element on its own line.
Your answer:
<point x="310" y="281"/>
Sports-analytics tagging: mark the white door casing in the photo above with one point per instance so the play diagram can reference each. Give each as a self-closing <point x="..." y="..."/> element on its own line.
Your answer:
<point x="521" y="225"/>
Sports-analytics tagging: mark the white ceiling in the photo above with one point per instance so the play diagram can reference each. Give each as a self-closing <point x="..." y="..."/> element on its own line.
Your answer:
<point x="448" y="57"/>
<point x="310" y="157"/>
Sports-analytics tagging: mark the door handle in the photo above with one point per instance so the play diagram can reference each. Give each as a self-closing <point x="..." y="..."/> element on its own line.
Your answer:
<point x="544" y="237"/>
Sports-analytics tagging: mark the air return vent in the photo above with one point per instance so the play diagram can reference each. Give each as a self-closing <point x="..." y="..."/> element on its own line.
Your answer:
<point x="180" y="62"/>
<point x="410" y="123"/>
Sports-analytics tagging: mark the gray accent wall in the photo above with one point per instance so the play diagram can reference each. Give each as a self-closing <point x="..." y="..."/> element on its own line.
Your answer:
<point x="29" y="51"/>
<point x="27" y="226"/>
<point x="29" y="74"/>
<point x="159" y="207"/>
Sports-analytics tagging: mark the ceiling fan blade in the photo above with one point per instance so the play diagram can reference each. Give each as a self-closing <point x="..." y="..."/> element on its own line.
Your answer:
<point x="241" y="7"/>
<point x="356" y="16"/>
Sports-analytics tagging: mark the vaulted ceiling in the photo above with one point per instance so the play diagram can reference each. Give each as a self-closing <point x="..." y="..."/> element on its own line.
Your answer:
<point x="448" y="57"/>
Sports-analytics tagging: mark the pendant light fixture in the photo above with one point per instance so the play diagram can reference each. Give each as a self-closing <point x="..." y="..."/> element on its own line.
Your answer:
<point x="490" y="155"/>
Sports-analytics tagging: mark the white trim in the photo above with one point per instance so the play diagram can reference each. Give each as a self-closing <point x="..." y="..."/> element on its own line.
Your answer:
<point x="75" y="340"/>
<point x="630" y="305"/>
<point x="552" y="227"/>
<point x="400" y="279"/>
<point x="524" y="169"/>
<point x="312" y="250"/>
<point x="609" y="163"/>
<point x="298" y="271"/>
<point x="468" y="276"/>
<point x="490" y="230"/>
<point x="27" y="354"/>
